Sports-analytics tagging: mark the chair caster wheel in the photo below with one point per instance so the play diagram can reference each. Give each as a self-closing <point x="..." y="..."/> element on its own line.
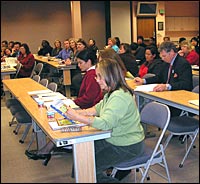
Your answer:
<point x="10" y="124"/>
<point x="21" y="141"/>
<point x="137" y="170"/>
<point x="181" y="165"/>
<point x="15" y="132"/>
<point x="194" y="146"/>
<point x="148" y="177"/>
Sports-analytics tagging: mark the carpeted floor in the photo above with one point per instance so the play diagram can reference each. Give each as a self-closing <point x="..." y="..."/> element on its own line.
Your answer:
<point x="16" y="168"/>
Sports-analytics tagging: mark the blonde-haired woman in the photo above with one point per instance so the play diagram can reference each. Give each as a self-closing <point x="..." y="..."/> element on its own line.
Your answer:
<point x="189" y="53"/>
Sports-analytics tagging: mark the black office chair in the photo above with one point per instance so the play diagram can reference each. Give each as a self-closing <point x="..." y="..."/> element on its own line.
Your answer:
<point x="158" y="115"/>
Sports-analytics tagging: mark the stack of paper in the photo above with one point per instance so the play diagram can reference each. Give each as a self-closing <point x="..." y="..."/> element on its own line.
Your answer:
<point x="146" y="87"/>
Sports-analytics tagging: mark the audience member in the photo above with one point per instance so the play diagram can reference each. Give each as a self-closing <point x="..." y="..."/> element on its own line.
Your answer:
<point x="166" y="39"/>
<point x="90" y="92"/>
<point x="73" y="46"/>
<point x="11" y="44"/>
<point x="57" y="48"/>
<point x="92" y="45"/>
<point x="117" y="41"/>
<point x="140" y="41"/>
<point x="127" y="135"/>
<point x="7" y="53"/>
<point x="175" y="74"/>
<point x="110" y="53"/>
<point x="16" y="49"/>
<point x="45" y="49"/>
<point x="139" y="52"/>
<point x="64" y="54"/>
<point x="152" y="64"/>
<point x="128" y="58"/>
<point x="4" y="43"/>
<point x="189" y="53"/>
<point x="195" y="43"/>
<point x="179" y="42"/>
<point x="152" y="41"/>
<point x="76" y="74"/>
<point x="112" y="44"/>
<point x="27" y="60"/>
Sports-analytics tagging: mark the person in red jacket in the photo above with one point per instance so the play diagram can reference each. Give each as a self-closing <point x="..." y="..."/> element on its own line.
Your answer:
<point x="152" y="63"/>
<point x="189" y="53"/>
<point x="90" y="92"/>
<point x="27" y="60"/>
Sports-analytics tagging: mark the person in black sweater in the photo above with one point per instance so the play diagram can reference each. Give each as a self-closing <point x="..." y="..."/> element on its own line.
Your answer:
<point x="128" y="58"/>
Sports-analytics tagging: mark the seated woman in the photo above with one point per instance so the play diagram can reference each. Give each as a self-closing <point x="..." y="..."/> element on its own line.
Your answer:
<point x="90" y="93"/>
<point x="27" y="60"/>
<point x="189" y="53"/>
<point x="152" y="64"/>
<point x="112" y="44"/>
<point x="7" y="53"/>
<point x="45" y="49"/>
<point x="110" y="53"/>
<point x="117" y="112"/>
<point x="57" y="48"/>
<point x="128" y="58"/>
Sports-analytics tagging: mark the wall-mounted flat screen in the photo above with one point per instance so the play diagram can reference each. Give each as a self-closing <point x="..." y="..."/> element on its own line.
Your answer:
<point x="147" y="9"/>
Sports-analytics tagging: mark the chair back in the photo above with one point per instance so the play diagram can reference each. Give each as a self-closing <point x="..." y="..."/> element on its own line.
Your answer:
<point x="52" y="86"/>
<point x="196" y="89"/>
<point x="156" y="114"/>
<point x="18" y="67"/>
<point x="195" y="80"/>
<point x="36" y="78"/>
<point x="32" y="73"/>
<point x="44" y="82"/>
<point x="38" y="68"/>
<point x="148" y="75"/>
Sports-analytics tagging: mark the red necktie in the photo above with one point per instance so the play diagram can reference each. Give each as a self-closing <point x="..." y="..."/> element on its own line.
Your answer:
<point x="169" y="72"/>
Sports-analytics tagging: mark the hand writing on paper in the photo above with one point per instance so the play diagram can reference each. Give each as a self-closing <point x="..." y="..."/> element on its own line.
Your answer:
<point x="138" y="80"/>
<point x="71" y="113"/>
<point x="160" y="87"/>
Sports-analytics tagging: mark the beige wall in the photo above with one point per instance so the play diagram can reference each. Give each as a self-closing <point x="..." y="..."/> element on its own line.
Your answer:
<point x="120" y="20"/>
<point x="32" y="21"/>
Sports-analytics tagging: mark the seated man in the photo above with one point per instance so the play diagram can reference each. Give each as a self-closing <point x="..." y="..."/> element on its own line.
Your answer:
<point x="175" y="74"/>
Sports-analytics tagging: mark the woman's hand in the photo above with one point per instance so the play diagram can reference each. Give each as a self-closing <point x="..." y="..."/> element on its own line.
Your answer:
<point x="138" y="80"/>
<point x="72" y="114"/>
<point x="68" y="61"/>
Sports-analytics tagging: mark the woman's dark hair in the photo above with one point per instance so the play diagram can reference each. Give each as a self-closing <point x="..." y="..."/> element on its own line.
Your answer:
<point x="94" y="42"/>
<point x="86" y="54"/>
<point x="153" y="50"/>
<point x="195" y="39"/>
<point x="45" y="43"/>
<point x="117" y="41"/>
<point x="127" y="47"/>
<point x="83" y="42"/>
<point x="26" y="48"/>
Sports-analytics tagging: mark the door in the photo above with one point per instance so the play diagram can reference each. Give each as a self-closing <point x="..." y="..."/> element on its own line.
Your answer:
<point x="146" y="27"/>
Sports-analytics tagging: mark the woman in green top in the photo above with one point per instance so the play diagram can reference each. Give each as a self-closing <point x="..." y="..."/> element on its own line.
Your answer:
<point x="118" y="112"/>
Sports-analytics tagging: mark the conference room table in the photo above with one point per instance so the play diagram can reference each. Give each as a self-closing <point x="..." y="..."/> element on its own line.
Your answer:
<point x="176" y="98"/>
<point x="82" y="142"/>
<point x="53" y="62"/>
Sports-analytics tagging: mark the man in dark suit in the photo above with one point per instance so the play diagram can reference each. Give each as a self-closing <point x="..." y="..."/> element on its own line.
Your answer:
<point x="176" y="73"/>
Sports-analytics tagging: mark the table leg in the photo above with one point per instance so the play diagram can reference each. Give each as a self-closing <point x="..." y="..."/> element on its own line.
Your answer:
<point x="84" y="162"/>
<point x="40" y="136"/>
<point x="67" y="82"/>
